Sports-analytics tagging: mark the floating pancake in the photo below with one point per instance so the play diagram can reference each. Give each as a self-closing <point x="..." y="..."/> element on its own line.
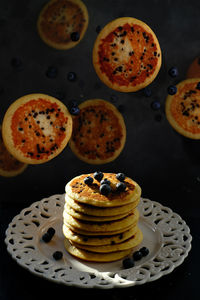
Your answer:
<point x="90" y="194"/>
<point x="183" y="108"/>
<point x="194" y="69"/>
<point x="127" y="55"/>
<point x="99" y="132"/>
<point x="98" y="233"/>
<point x="106" y="226"/>
<point x="63" y="23"/>
<point x="98" y="211"/>
<point x="9" y="165"/>
<point x="81" y="216"/>
<point x="125" y="245"/>
<point x="98" y="240"/>
<point x="36" y="128"/>
<point x="95" y="257"/>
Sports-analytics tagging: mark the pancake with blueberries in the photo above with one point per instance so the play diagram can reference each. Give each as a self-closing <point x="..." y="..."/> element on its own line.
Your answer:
<point x="105" y="226"/>
<point x="127" y="55"/>
<point x="129" y="243"/>
<point x="110" y="192"/>
<point x="98" y="240"/>
<point x="183" y="108"/>
<point x="98" y="211"/>
<point x="62" y="23"/>
<point x="92" y="256"/>
<point x="99" y="132"/>
<point x="36" y="128"/>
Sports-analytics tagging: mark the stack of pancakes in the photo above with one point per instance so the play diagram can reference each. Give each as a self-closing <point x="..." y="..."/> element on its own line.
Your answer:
<point x="97" y="227"/>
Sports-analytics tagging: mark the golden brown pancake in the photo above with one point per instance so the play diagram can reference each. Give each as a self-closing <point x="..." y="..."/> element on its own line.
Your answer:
<point x="99" y="132"/>
<point x="90" y="194"/>
<point x="127" y="55"/>
<point x="36" y="128"/>
<point x="183" y="108"/>
<point x="59" y="19"/>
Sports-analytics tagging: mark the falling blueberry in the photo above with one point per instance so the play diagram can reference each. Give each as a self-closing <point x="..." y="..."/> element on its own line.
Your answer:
<point x="144" y="251"/>
<point x="51" y="231"/>
<point x="98" y="28"/>
<point x="128" y="263"/>
<point x="105" y="189"/>
<point x="147" y="92"/>
<point x="155" y="105"/>
<point x="75" y="36"/>
<point x="46" y="237"/>
<point x="71" y="76"/>
<point x="172" y="90"/>
<point x="75" y="110"/>
<point x="173" y="72"/>
<point x="17" y="63"/>
<point x="52" y="72"/>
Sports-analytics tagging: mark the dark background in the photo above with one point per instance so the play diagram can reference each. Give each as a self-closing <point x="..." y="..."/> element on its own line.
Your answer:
<point x="165" y="164"/>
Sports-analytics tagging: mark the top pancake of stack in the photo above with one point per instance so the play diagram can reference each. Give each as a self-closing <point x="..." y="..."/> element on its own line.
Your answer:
<point x="91" y="195"/>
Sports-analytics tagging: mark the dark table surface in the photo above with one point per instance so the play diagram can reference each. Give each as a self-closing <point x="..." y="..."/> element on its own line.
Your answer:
<point x="165" y="164"/>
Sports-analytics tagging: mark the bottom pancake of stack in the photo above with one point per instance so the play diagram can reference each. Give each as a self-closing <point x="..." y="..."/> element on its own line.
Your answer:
<point x="103" y="235"/>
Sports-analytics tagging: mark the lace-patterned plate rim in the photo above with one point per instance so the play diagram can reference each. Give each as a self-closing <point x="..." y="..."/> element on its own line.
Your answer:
<point x="165" y="234"/>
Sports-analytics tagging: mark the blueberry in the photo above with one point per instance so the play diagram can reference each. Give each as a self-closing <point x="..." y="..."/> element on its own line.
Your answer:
<point x="128" y="263"/>
<point x="105" y="189"/>
<point x="155" y="105"/>
<point x="144" y="251"/>
<point x="52" y="72"/>
<point x="105" y="181"/>
<point x="137" y="255"/>
<point x="46" y="237"/>
<point x="51" y="231"/>
<point x="98" y="28"/>
<point x="88" y="180"/>
<point x="17" y="63"/>
<point x="172" y="89"/>
<point x="173" y="72"/>
<point x="98" y="175"/>
<point x="121" y="186"/>
<point x="74" y="110"/>
<point x="75" y="36"/>
<point x="57" y="255"/>
<point x="198" y="86"/>
<point x="71" y="76"/>
<point x="147" y="92"/>
<point x="120" y="176"/>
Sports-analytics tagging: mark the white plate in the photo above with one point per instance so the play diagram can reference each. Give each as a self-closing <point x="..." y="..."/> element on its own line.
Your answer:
<point x="165" y="233"/>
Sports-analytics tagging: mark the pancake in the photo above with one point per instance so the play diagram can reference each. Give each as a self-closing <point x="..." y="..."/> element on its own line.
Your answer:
<point x="194" y="69"/>
<point x="36" y="128"/>
<point x="125" y="245"/>
<point x="95" y="257"/>
<point x="98" y="233"/>
<point x="98" y="211"/>
<point x="59" y="20"/>
<point x="106" y="226"/>
<point x="183" y="108"/>
<point x="98" y="240"/>
<point x="80" y="216"/>
<point x="90" y="194"/>
<point x="9" y="165"/>
<point x="99" y="132"/>
<point x="127" y="55"/>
